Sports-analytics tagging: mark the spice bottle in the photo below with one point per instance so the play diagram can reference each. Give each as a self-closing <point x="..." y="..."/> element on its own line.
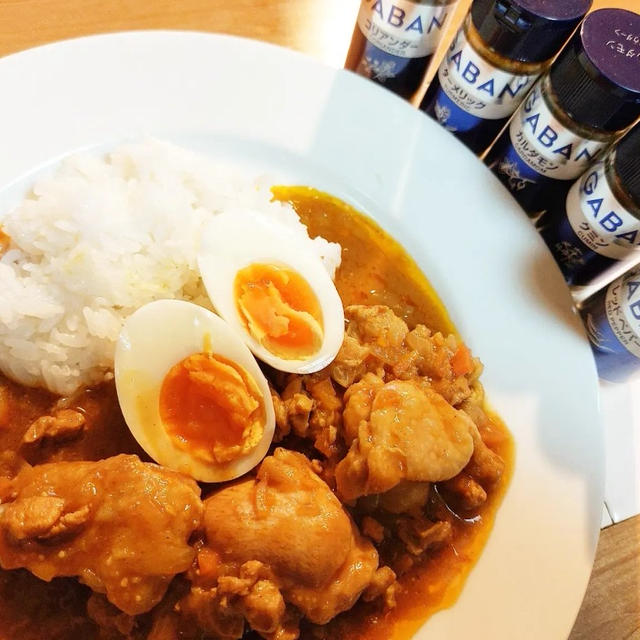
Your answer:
<point x="589" y="97"/>
<point x="494" y="60"/>
<point x="612" y="320"/>
<point x="394" y="40"/>
<point x="597" y="226"/>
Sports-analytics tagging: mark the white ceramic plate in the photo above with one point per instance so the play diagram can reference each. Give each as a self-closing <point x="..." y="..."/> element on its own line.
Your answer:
<point x="277" y="110"/>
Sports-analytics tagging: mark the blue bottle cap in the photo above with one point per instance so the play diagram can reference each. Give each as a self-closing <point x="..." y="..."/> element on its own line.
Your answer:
<point x="596" y="79"/>
<point x="527" y="30"/>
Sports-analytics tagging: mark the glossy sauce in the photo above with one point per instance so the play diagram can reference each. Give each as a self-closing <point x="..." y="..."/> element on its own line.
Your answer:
<point x="375" y="269"/>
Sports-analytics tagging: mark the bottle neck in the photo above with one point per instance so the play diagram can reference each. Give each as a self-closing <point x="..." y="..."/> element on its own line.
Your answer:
<point x="498" y="60"/>
<point x="566" y="120"/>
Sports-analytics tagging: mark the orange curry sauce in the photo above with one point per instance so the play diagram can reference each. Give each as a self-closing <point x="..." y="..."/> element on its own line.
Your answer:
<point x="375" y="269"/>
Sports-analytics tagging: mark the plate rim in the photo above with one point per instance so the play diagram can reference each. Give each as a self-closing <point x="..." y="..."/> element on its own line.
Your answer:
<point x="302" y="57"/>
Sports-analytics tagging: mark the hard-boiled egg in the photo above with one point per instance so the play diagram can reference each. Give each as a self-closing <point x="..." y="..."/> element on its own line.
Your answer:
<point x="191" y="392"/>
<point x="266" y="281"/>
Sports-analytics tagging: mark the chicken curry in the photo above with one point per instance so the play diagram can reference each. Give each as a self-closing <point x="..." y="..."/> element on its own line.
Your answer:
<point x="366" y="516"/>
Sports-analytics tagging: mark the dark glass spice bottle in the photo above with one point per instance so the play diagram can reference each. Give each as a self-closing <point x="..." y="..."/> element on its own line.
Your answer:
<point x="496" y="57"/>
<point x="597" y="226"/>
<point x="612" y="320"/>
<point x="394" y="40"/>
<point x="579" y="107"/>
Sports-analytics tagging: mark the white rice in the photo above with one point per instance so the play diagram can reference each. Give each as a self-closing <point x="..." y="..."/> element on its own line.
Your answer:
<point x="100" y="238"/>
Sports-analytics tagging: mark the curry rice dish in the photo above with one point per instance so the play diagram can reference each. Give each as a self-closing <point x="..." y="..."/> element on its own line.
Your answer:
<point x="336" y="492"/>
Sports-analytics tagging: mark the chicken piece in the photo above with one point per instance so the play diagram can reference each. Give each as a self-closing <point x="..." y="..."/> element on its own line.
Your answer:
<point x="327" y="403"/>
<point x="215" y="613"/>
<point x="372" y="529"/>
<point x="11" y="463"/>
<point x="120" y="525"/>
<point x="166" y="620"/>
<point x="41" y="517"/>
<point x="378" y="341"/>
<point x="292" y="409"/>
<point x="485" y="466"/>
<point x="373" y="337"/>
<point x="377" y="326"/>
<point x="264" y="606"/>
<point x="64" y="424"/>
<point x="466" y="492"/>
<point x="455" y="391"/>
<point x="350" y="364"/>
<point x="420" y="534"/>
<point x="358" y="399"/>
<point x="251" y="595"/>
<point x="112" y="621"/>
<point x="309" y="407"/>
<point x="412" y="433"/>
<point x="383" y="584"/>
<point x="405" y="497"/>
<point x="435" y="354"/>
<point x="222" y="610"/>
<point x="282" y="537"/>
<point x="87" y="425"/>
<point x="325" y="419"/>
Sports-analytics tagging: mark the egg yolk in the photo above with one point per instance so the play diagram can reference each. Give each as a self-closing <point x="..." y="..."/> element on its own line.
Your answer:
<point x="280" y="310"/>
<point x="212" y="408"/>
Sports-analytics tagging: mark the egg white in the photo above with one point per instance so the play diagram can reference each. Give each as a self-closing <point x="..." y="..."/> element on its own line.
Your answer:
<point x="234" y="240"/>
<point x="155" y="338"/>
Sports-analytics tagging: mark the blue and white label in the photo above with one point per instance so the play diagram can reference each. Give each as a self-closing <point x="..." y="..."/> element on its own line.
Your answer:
<point x="622" y="305"/>
<point x="598" y="219"/>
<point x="473" y="90"/>
<point x="402" y="28"/>
<point x="544" y="146"/>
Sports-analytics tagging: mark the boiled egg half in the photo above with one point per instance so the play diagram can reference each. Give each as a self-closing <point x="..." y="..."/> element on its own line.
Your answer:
<point x="266" y="281"/>
<point x="191" y="392"/>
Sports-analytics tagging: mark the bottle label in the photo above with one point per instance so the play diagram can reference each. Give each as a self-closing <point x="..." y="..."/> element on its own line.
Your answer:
<point x="622" y="306"/>
<point x="402" y="28"/>
<point x="541" y="147"/>
<point x="473" y="90"/>
<point x="598" y="219"/>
